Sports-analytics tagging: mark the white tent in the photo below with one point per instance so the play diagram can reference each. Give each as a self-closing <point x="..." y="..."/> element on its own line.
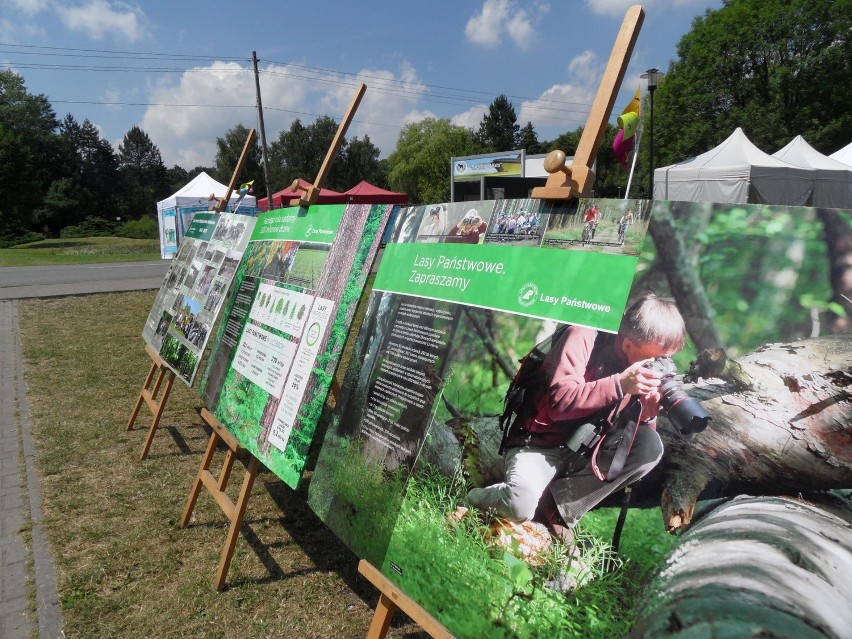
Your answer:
<point x="833" y="185"/>
<point x="735" y="171"/>
<point x="176" y="211"/>
<point x="843" y="155"/>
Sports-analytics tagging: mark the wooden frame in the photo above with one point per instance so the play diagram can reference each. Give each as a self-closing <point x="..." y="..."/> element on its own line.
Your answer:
<point x="393" y="599"/>
<point x="234" y="511"/>
<point x="151" y="396"/>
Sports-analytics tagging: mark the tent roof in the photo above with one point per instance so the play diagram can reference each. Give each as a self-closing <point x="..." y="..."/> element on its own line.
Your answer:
<point x="800" y="153"/>
<point x="283" y="197"/>
<point x="833" y="179"/>
<point x="198" y="190"/>
<point x="366" y="193"/>
<point x="843" y="155"/>
<point x="735" y="171"/>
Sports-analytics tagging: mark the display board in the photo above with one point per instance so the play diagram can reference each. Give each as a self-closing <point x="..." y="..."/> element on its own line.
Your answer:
<point x="285" y="325"/>
<point x="425" y="364"/>
<point x="185" y="309"/>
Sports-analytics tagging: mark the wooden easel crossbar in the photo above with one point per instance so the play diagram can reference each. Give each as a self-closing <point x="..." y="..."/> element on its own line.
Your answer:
<point x="393" y="599"/>
<point x="234" y="511"/>
<point x="155" y="396"/>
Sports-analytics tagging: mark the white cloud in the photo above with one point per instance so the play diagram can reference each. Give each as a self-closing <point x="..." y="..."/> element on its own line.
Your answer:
<point x="497" y="17"/>
<point x="187" y="135"/>
<point x="100" y="18"/>
<point x="18" y="31"/>
<point x="470" y="118"/>
<point x="30" y="7"/>
<point x="586" y="67"/>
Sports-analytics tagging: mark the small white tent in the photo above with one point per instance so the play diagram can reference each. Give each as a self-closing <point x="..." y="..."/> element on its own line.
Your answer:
<point x="734" y="171"/>
<point x="833" y="185"/>
<point x="843" y="155"/>
<point x="176" y="211"/>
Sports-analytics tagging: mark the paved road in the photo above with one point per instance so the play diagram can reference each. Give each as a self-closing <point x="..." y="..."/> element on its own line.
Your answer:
<point x="17" y="282"/>
<point x="23" y="563"/>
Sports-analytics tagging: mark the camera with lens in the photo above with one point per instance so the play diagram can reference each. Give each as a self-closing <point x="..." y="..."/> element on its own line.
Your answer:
<point x="680" y="409"/>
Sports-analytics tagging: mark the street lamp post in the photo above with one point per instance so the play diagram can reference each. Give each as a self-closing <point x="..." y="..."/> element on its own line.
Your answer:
<point x="653" y="76"/>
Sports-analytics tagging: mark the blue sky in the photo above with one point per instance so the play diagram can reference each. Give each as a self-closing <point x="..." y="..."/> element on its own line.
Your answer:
<point x="182" y="70"/>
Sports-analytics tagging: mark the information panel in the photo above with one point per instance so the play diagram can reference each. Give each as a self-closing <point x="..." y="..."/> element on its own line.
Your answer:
<point x="188" y="303"/>
<point x="285" y="325"/>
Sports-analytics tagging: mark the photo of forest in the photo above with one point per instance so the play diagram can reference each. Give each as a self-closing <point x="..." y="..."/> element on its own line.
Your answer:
<point x="395" y="464"/>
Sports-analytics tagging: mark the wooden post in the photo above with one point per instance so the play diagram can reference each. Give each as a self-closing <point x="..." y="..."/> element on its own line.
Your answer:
<point x="234" y="511"/>
<point x="312" y="192"/>
<point x="151" y="396"/>
<point x="570" y="182"/>
<point x="393" y="599"/>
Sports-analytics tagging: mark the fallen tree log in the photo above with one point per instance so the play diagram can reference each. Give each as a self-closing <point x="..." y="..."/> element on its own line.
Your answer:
<point x="756" y="567"/>
<point x="781" y="424"/>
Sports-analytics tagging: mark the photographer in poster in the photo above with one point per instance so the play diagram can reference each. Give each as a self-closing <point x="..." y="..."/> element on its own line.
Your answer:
<point x="564" y="450"/>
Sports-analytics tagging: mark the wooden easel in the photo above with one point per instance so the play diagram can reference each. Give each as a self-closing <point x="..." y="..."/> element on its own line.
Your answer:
<point x="234" y="511"/>
<point x="312" y="192"/>
<point x="393" y="599"/>
<point x="564" y="182"/>
<point x="151" y="396"/>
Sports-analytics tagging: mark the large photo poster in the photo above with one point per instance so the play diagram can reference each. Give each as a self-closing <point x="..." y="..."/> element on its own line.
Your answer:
<point x="186" y="307"/>
<point x="462" y="296"/>
<point x="285" y="325"/>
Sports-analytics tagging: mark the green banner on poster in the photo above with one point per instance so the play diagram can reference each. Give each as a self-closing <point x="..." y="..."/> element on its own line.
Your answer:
<point x="574" y="287"/>
<point x="202" y="226"/>
<point x="317" y="224"/>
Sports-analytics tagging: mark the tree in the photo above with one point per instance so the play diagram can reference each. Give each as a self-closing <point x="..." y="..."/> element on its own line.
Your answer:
<point x="92" y="166"/>
<point x="300" y="151"/>
<point x="499" y="128"/>
<point x="228" y="151"/>
<point x="788" y="74"/>
<point x="420" y="164"/>
<point x="144" y="173"/>
<point x="359" y="162"/>
<point x="528" y="140"/>
<point x="29" y="152"/>
<point x="177" y="176"/>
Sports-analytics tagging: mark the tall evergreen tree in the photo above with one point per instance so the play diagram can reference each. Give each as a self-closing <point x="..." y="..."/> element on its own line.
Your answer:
<point x="528" y="140"/>
<point x="300" y="151"/>
<point x="144" y="173"/>
<point x="499" y="128"/>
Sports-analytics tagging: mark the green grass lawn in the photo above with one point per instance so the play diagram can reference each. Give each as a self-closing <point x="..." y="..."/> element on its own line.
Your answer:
<point x="84" y="250"/>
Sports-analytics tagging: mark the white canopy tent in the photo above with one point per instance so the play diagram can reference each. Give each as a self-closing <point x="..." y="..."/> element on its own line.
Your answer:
<point x="176" y="211"/>
<point x="843" y="155"/>
<point x="735" y="171"/>
<point x="833" y="183"/>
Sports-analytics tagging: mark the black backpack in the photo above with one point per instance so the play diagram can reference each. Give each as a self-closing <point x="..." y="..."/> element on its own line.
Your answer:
<point x="531" y="375"/>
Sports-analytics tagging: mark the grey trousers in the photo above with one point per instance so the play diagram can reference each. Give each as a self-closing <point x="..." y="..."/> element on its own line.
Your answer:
<point x="531" y="470"/>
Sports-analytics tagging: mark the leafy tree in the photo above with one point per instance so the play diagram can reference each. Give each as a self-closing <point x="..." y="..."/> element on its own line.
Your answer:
<point x="228" y="151"/>
<point x="29" y="152"/>
<point x="300" y="151"/>
<point x="145" y="177"/>
<point x="359" y="162"/>
<point x="420" y="164"/>
<point x="177" y="176"/>
<point x="499" y="128"/>
<point x="776" y="69"/>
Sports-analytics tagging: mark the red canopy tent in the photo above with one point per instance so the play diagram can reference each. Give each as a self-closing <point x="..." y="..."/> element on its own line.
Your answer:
<point x="282" y="198"/>
<point x="366" y="193"/>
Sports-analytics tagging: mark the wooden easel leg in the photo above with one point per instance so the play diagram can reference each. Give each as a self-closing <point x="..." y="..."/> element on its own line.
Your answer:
<point x="237" y="521"/>
<point x="199" y="482"/>
<point x="161" y="406"/>
<point x="382" y="618"/>
<point x="141" y="396"/>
